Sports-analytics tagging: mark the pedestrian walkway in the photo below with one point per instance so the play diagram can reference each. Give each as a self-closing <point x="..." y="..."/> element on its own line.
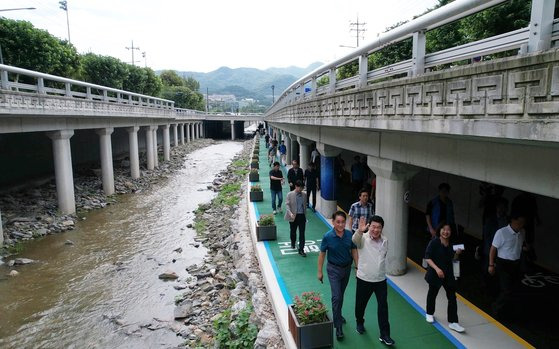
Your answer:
<point x="287" y="274"/>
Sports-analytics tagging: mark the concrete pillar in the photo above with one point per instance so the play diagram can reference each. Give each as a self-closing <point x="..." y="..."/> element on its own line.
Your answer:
<point x="202" y="131"/>
<point x="149" y="147"/>
<point x="63" y="170"/>
<point x="286" y="138"/>
<point x="155" y="147"/>
<point x="106" y="154"/>
<point x="391" y="205"/>
<point x="232" y="130"/>
<point x="304" y="153"/>
<point x="166" y="143"/>
<point x="1" y="231"/>
<point x="328" y="181"/>
<point x="133" y="146"/>
<point x="198" y="130"/>
<point x="187" y="131"/>
<point x="181" y="132"/>
<point x="175" y="135"/>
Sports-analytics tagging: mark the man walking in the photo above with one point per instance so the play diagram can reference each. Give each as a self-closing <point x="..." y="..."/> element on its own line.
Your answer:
<point x="283" y="152"/>
<point x="505" y="255"/>
<point x="372" y="248"/>
<point x="362" y="208"/>
<point x="311" y="176"/>
<point x="294" y="174"/>
<point x="341" y="252"/>
<point x="295" y="206"/>
<point x="276" y="181"/>
<point x="440" y="209"/>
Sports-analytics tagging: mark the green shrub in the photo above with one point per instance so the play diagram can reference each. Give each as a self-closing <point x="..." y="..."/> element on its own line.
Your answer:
<point x="266" y="220"/>
<point x="256" y="187"/>
<point x="241" y="336"/>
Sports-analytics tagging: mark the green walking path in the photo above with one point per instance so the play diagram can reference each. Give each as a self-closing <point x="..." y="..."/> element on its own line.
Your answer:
<point x="297" y="274"/>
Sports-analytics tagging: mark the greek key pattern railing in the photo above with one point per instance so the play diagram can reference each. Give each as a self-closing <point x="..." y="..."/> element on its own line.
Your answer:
<point x="520" y="86"/>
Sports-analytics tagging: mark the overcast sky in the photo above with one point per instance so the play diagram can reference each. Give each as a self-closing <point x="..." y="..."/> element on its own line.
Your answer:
<point x="203" y="35"/>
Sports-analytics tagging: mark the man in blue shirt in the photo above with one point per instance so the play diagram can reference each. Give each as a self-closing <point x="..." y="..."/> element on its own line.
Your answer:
<point x="341" y="253"/>
<point x="283" y="151"/>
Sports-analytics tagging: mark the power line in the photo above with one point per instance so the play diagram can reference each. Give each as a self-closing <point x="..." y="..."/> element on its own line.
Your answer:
<point x="132" y="48"/>
<point x="358" y="28"/>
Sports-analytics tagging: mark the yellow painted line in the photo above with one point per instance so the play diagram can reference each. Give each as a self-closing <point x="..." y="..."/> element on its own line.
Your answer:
<point x="483" y="314"/>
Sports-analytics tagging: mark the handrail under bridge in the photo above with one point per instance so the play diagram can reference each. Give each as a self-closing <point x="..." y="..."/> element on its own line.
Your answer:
<point x="538" y="36"/>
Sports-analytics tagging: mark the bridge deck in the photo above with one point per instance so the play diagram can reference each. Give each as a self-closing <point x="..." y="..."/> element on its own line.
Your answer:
<point x="287" y="274"/>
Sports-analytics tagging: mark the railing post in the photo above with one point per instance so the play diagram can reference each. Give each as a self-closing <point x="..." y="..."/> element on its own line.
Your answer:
<point x="4" y="76"/>
<point x="332" y="78"/>
<point x="105" y="95"/>
<point x="363" y="70"/>
<point x="68" y="89"/>
<point x="313" y="87"/>
<point x="119" y="97"/>
<point x="41" y="86"/>
<point x="418" y="53"/>
<point x="88" y="92"/>
<point x="541" y="25"/>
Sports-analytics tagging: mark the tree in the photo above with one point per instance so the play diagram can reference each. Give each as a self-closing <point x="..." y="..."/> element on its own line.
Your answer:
<point x="25" y="46"/>
<point x="171" y="78"/>
<point x="104" y="70"/>
<point x="183" y="97"/>
<point x="142" y="80"/>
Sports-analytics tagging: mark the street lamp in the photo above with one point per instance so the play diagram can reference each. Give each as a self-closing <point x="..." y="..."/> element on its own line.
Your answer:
<point x="64" y="6"/>
<point x="273" y="96"/>
<point x="12" y="9"/>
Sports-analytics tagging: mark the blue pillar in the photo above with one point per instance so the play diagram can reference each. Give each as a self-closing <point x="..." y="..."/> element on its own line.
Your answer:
<point x="328" y="186"/>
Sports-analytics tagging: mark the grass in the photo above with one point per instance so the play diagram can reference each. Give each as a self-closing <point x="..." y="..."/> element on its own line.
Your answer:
<point x="228" y="195"/>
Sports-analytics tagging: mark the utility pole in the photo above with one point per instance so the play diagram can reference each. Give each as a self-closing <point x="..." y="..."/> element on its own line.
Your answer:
<point x="64" y="6"/>
<point x="145" y="59"/>
<point x="132" y="48"/>
<point x="273" y="95"/>
<point x="358" y="28"/>
<point x="207" y="100"/>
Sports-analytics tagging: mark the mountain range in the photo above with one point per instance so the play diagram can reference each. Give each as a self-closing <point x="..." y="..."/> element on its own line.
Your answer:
<point x="249" y="82"/>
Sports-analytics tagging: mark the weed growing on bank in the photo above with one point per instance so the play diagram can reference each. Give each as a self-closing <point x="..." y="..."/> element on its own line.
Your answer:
<point x="235" y="331"/>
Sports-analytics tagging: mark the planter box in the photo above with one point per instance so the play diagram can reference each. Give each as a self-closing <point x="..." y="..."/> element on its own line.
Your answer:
<point x="256" y="196"/>
<point x="253" y="177"/>
<point x="319" y="335"/>
<point x="254" y="165"/>
<point x="268" y="232"/>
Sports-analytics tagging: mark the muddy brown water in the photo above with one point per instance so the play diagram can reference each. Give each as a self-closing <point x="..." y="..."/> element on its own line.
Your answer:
<point x="104" y="291"/>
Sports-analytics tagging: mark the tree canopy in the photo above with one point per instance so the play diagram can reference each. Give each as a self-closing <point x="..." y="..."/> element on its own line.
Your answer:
<point x="27" y="47"/>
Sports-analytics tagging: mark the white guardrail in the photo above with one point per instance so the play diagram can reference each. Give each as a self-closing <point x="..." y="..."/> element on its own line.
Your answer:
<point x="542" y="31"/>
<point x="58" y="86"/>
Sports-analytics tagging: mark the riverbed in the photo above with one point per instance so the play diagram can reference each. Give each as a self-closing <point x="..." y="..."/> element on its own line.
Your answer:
<point x="97" y="286"/>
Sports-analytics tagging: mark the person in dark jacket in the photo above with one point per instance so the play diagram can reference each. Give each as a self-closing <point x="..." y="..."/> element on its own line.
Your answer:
<point x="294" y="174"/>
<point x="439" y="256"/>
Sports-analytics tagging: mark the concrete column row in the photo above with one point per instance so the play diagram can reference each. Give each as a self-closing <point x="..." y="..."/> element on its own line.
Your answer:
<point x="392" y="184"/>
<point x="62" y="156"/>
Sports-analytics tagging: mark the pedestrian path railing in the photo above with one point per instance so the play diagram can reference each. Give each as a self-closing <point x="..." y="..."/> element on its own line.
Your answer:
<point x="540" y="35"/>
<point x="23" y="80"/>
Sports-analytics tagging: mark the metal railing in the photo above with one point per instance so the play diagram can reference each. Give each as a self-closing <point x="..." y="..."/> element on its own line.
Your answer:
<point x="46" y="84"/>
<point x="538" y="36"/>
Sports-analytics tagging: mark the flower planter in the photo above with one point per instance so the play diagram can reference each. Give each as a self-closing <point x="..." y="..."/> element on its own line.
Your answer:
<point x="256" y="196"/>
<point x="319" y="335"/>
<point x="267" y="232"/>
<point x="253" y="177"/>
<point x="254" y="165"/>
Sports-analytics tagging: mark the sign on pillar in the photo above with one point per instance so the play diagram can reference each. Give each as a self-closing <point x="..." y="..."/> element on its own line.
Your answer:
<point x="62" y="155"/>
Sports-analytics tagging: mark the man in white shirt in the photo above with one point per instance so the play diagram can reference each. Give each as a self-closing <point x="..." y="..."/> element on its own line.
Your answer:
<point x="372" y="247"/>
<point x="504" y="255"/>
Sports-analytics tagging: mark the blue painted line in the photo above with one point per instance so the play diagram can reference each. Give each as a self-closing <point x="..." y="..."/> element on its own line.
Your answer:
<point x="256" y="212"/>
<point x="420" y="310"/>
<point x="324" y="220"/>
<point x="281" y="283"/>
